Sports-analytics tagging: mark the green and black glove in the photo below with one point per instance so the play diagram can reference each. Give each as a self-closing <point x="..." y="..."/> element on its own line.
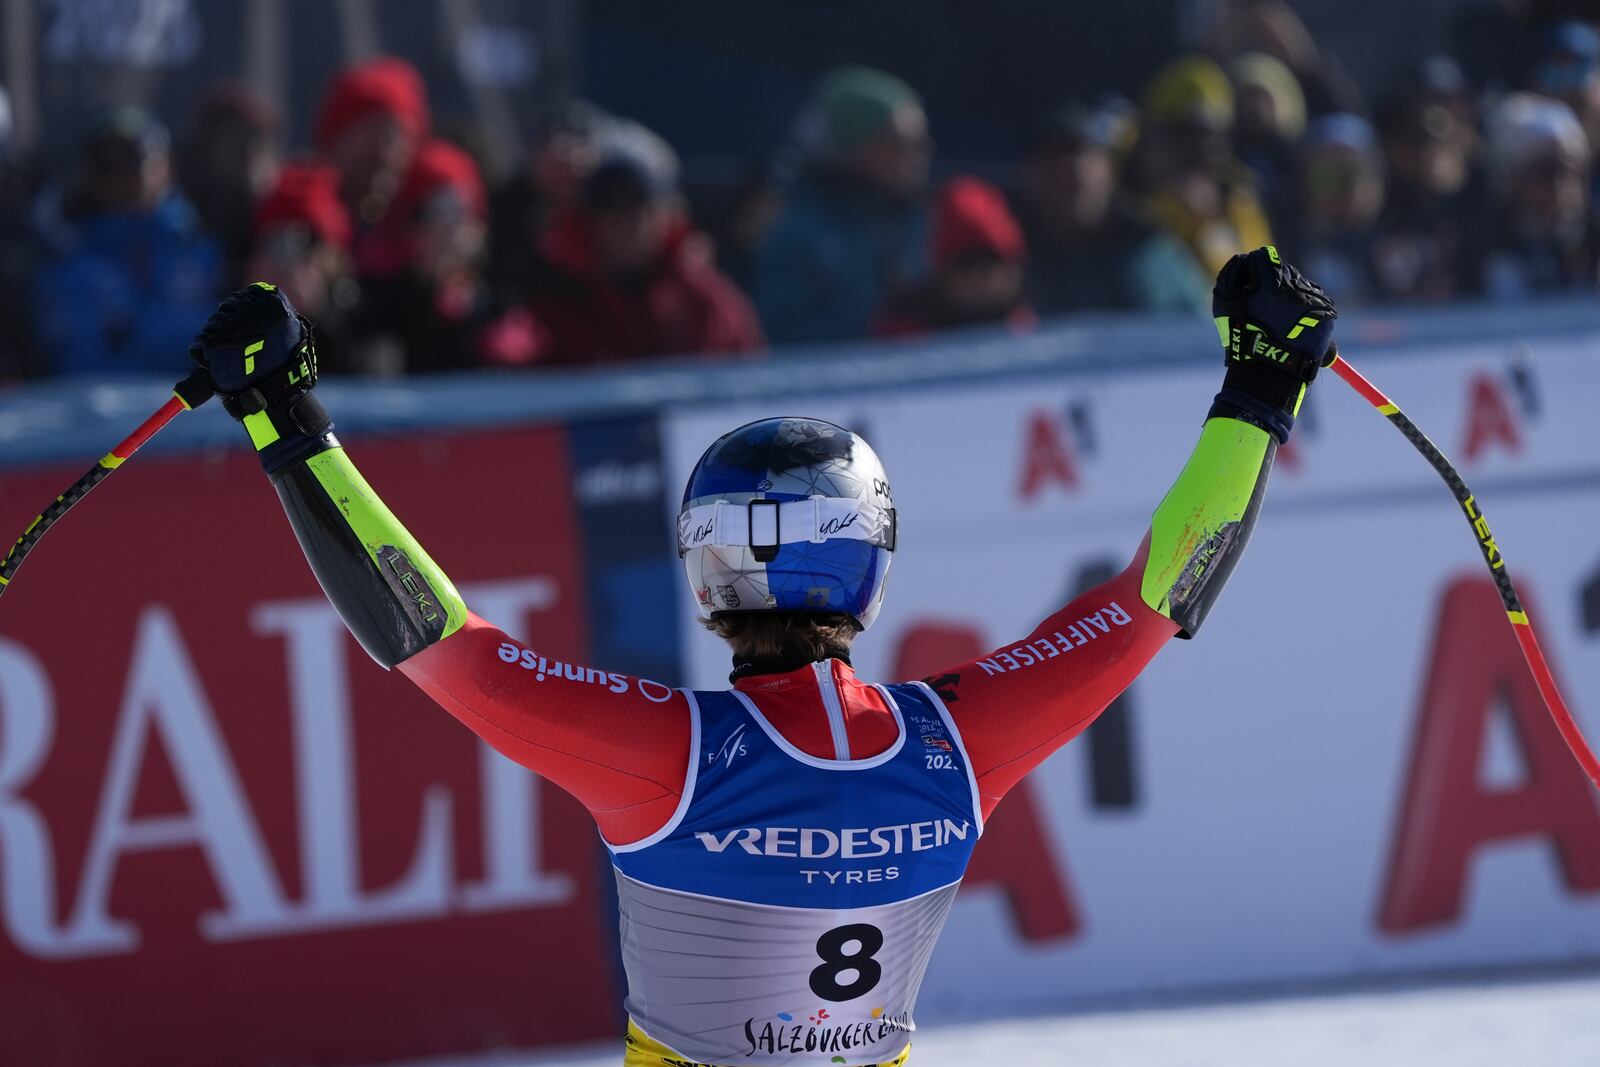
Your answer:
<point x="1276" y="327"/>
<point x="262" y="357"/>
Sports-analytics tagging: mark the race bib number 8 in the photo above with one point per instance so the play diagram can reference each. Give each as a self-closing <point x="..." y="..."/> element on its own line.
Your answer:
<point x="847" y="951"/>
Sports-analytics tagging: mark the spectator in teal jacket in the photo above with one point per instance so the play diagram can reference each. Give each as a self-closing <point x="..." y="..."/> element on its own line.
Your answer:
<point x="136" y="277"/>
<point x="853" y="230"/>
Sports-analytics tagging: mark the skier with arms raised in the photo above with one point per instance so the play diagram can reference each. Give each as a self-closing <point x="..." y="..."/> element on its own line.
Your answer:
<point x="786" y="850"/>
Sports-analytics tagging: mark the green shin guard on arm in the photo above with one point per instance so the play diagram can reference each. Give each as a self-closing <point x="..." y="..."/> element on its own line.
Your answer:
<point x="1203" y="523"/>
<point x="386" y="588"/>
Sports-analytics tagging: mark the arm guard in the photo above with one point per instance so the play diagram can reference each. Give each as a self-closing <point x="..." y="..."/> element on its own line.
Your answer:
<point x="1202" y="525"/>
<point x="391" y="595"/>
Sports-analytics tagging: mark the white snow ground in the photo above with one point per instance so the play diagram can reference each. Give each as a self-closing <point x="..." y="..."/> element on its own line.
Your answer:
<point x="1549" y="1022"/>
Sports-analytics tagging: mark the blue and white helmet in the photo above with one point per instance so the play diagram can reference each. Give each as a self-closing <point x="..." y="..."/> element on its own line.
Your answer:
<point x="788" y="514"/>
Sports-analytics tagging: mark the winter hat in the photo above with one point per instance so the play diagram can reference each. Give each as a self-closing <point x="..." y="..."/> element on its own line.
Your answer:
<point x="1525" y="128"/>
<point x="971" y="216"/>
<point x="851" y="106"/>
<point x="380" y="86"/>
<point x="634" y="163"/>
<point x="307" y="195"/>
<point x="440" y="166"/>
<point x="1269" y="74"/>
<point x="1191" y="90"/>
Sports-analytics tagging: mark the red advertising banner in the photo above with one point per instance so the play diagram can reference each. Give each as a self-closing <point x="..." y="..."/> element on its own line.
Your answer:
<point x="226" y="836"/>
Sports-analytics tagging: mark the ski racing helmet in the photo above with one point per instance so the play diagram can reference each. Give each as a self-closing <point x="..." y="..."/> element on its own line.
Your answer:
<point x="788" y="514"/>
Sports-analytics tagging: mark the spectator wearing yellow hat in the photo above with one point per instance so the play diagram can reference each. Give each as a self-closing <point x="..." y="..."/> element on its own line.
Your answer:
<point x="1192" y="186"/>
<point x="1269" y="120"/>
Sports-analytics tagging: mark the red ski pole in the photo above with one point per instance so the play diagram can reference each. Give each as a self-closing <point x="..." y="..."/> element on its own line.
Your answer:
<point x="1515" y="613"/>
<point x="190" y="393"/>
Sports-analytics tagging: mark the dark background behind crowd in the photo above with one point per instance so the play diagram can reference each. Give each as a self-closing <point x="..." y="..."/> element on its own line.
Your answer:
<point x="443" y="186"/>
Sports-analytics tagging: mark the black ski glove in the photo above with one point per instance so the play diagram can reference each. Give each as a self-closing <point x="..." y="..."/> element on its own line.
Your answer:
<point x="262" y="357"/>
<point x="1276" y="327"/>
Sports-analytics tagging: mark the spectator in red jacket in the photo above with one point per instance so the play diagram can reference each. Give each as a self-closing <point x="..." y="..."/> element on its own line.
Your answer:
<point x="425" y="303"/>
<point x="629" y="277"/>
<point x="374" y="117"/>
<point x="564" y="151"/>
<point x="302" y="244"/>
<point x="978" y="256"/>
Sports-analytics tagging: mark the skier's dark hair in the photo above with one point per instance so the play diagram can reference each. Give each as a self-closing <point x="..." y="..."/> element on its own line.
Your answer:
<point x="760" y="636"/>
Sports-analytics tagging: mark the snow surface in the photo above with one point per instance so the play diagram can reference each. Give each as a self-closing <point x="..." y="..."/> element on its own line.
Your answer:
<point x="1551" y="1022"/>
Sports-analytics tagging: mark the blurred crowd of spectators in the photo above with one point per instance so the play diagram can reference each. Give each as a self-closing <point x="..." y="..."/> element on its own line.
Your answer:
<point x="1451" y="184"/>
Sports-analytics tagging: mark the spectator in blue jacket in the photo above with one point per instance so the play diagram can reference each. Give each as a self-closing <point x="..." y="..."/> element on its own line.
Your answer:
<point x="853" y="229"/>
<point x="135" y="277"/>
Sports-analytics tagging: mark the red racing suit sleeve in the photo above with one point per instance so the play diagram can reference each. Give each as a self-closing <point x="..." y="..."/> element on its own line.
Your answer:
<point x="620" y="745"/>
<point x="1020" y="703"/>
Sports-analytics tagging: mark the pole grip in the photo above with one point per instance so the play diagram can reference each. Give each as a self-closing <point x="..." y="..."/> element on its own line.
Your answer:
<point x="196" y="389"/>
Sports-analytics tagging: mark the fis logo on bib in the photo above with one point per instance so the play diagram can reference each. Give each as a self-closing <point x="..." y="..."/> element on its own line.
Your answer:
<point x="855" y="842"/>
<point x="731" y="749"/>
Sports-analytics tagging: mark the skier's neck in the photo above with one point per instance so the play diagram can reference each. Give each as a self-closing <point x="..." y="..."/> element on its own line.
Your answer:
<point x="781" y="664"/>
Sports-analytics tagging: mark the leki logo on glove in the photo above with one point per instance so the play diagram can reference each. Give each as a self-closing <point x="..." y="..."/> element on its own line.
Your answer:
<point x="1306" y="322"/>
<point x="1258" y="345"/>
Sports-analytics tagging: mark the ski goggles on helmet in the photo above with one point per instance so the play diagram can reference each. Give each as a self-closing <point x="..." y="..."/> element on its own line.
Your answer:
<point x="764" y="526"/>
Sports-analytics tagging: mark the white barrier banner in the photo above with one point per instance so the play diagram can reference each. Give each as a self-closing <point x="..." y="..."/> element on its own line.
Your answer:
<point x="1349" y="771"/>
